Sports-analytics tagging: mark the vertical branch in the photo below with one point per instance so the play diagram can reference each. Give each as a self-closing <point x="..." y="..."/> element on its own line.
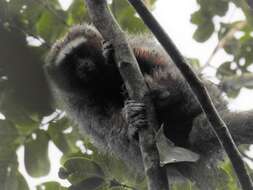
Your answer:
<point x="136" y="86"/>
<point x="200" y="92"/>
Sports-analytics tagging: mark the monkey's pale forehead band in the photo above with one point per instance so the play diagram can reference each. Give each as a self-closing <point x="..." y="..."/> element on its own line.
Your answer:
<point x="69" y="48"/>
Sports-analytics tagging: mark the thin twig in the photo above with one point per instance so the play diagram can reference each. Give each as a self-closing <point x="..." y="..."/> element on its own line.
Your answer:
<point x="200" y="92"/>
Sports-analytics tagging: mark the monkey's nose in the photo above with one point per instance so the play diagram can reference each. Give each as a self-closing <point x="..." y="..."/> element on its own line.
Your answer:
<point x="164" y="95"/>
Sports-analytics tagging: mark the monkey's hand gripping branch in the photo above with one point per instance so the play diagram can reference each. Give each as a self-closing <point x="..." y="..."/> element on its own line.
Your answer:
<point x="136" y="116"/>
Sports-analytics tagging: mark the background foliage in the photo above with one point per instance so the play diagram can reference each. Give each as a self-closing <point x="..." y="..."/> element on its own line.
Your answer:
<point x="26" y="101"/>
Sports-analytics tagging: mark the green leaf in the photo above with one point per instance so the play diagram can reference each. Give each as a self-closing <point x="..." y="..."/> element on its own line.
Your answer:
<point x="7" y="155"/>
<point x="116" y="169"/>
<point x="214" y="7"/>
<point x="205" y="26"/>
<point x="245" y="52"/>
<point x="44" y="26"/>
<point x="22" y="184"/>
<point x="203" y="18"/>
<point x="225" y="70"/>
<point x="31" y="14"/>
<point x="21" y="93"/>
<point x="50" y="186"/>
<point x="66" y="142"/>
<point x="220" y="7"/>
<point x="199" y="17"/>
<point x="126" y="16"/>
<point x="15" y="6"/>
<point x="11" y="179"/>
<point x="204" y="32"/>
<point x="232" y="183"/>
<point x="26" y="125"/>
<point x="36" y="154"/>
<point x="69" y="156"/>
<point x="187" y="185"/>
<point x="232" y="93"/>
<point x="169" y="153"/>
<point x="15" y="111"/>
<point x="81" y="168"/>
<point x="8" y="133"/>
<point x="89" y="183"/>
<point x="8" y="143"/>
<point x="77" y="13"/>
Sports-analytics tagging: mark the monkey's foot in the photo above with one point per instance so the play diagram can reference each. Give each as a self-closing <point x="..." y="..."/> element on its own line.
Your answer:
<point x="135" y="114"/>
<point x="108" y="52"/>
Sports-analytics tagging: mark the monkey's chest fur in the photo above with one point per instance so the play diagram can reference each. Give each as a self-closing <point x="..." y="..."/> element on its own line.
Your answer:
<point x="175" y="105"/>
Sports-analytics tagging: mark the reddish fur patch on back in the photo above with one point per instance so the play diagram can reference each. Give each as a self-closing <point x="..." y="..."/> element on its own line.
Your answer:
<point x="148" y="55"/>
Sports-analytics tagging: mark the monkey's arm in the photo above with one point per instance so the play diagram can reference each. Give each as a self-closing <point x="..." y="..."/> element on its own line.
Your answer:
<point x="240" y="125"/>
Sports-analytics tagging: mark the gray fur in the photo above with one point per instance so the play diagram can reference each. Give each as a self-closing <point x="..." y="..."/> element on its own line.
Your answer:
<point x="103" y="122"/>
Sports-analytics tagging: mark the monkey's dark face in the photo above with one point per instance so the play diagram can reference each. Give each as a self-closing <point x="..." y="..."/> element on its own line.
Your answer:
<point x="91" y="75"/>
<point x="86" y="65"/>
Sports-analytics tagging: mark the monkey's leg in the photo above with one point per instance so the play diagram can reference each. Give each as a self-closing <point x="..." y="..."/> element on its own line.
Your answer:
<point x="136" y="117"/>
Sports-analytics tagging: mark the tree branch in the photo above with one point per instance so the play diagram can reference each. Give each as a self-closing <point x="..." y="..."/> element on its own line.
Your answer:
<point x="136" y="86"/>
<point x="200" y="92"/>
<point x="236" y="82"/>
<point x="240" y="125"/>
